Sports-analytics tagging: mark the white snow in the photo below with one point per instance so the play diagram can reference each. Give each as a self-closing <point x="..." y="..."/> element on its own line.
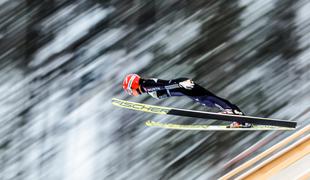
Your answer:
<point x="252" y="20"/>
<point x="176" y="38"/>
<point x="245" y="79"/>
<point x="105" y="40"/>
<point x="2" y="2"/>
<point x="80" y="150"/>
<point x="76" y="29"/>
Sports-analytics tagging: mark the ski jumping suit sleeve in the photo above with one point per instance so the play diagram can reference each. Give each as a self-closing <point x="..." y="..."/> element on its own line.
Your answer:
<point x="159" y="89"/>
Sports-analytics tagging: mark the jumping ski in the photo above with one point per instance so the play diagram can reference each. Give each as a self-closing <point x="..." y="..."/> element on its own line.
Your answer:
<point x="202" y="114"/>
<point x="205" y="127"/>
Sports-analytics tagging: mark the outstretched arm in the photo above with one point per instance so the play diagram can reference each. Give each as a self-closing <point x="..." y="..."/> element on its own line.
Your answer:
<point x="159" y="88"/>
<point x="152" y="84"/>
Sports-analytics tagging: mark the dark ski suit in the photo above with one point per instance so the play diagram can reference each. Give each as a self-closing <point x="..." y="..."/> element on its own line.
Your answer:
<point x="159" y="89"/>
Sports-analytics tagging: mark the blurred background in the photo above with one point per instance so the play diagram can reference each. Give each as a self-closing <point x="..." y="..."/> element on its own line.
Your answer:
<point x="61" y="62"/>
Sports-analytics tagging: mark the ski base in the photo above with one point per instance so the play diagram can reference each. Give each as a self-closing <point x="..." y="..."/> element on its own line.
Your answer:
<point x="204" y="127"/>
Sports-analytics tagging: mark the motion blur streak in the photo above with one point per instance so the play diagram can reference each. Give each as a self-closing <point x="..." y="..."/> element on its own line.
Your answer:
<point x="61" y="62"/>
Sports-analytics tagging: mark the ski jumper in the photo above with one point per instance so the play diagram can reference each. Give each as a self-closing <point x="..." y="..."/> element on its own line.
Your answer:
<point x="159" y="89"/>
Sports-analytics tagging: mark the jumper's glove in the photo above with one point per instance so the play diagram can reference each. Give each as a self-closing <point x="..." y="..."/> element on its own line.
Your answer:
<point x="153" y="94"/>
<point x="188" y="84"/>
<point x="232" y="112"/>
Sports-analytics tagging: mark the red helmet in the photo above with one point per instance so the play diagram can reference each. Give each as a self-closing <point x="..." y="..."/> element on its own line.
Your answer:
<point x="131" y="84"/>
